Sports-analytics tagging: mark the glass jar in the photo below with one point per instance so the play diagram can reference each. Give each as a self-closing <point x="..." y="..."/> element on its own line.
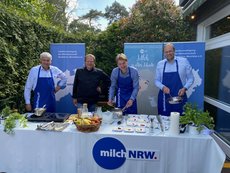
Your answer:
<point x="84" y="112"/>
<point x="98" y="112"/>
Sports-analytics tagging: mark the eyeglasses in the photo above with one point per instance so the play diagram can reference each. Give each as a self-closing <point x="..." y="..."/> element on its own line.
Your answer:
<point x="170" y="51"/>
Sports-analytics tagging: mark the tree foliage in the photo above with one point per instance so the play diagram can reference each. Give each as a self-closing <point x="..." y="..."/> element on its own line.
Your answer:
<point x="45" y="12"/>
<point x="115" y="12"/>
<point x="77" y="26"/>
<point x="156" y="21"/>
<point x="91" y="16"/>
<point x="106" y="46"/>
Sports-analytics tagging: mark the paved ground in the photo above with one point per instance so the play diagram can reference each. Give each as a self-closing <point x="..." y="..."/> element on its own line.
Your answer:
<point x="225" y="170"/>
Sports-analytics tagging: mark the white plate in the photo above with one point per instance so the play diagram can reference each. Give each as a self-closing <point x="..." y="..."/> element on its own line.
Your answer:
<point x="142" y="124"/>
<point x="128" y="130"/>
<point x="132" y="119"/>
<point x="143" y="121"/>
<point x="131" y="123"/>
<point x="118" y="129"/>
<point x="140" y="130"/>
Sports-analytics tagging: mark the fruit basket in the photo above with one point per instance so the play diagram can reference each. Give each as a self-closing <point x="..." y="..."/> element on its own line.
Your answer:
<point x="88" y="124"/>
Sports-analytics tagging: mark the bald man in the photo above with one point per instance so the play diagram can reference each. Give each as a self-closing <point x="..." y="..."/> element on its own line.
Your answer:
<point x="173" y="78"/>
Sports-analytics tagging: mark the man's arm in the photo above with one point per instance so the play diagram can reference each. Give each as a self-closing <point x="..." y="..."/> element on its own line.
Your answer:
<point x="27" y="89"/>
<point x="158" y="76"/>
<point x="135" y="77"/>
<point x="189" y="78"/>
<point x="113" y="85"/>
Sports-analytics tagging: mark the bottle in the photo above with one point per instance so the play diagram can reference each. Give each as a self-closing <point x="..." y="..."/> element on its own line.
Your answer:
<point x="84" y="112"/>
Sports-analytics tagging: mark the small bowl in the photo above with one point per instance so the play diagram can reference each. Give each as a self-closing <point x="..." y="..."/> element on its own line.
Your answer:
<point x="39" y="111"/>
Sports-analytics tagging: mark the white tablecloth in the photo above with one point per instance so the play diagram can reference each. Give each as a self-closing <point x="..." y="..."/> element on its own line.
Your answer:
<point x="70" y="151"/>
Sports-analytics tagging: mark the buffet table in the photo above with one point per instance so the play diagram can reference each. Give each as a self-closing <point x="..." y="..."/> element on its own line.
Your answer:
<point x="70" y="151"/>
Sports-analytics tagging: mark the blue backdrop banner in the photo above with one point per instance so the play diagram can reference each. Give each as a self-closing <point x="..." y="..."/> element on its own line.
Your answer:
<point x="195" y="53"/>
<point x="67" y="57"/>
<point x="144" y="56"/>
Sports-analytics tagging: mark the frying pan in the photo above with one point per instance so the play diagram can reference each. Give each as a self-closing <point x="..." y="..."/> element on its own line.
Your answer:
<point x="174" y="100"/>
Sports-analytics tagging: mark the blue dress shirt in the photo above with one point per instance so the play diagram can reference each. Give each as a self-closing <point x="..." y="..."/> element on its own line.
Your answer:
<point x="184" y="70"/>
<point x="114" y="77"/>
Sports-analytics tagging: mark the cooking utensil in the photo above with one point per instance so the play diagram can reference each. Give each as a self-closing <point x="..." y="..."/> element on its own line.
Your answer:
<point x="117" y="112"/>
<point x="124" y="108"/>
<point x="39" y="111"/>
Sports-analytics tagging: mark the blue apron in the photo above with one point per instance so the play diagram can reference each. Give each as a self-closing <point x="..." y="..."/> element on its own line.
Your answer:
<point x="173" y="82"/>
<point x="44" y="93"/>
<point x="124" y="92"/>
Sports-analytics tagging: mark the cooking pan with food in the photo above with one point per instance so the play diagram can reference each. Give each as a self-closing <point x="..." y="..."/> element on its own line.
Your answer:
<point x="175" y="100"/>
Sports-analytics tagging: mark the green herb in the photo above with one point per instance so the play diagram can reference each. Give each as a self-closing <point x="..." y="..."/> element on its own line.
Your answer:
<point x="11" y="117"/>
<point x="196" y="117"/>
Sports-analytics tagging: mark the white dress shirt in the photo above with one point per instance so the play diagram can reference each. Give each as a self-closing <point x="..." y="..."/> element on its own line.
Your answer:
<point x="33" y="77"/>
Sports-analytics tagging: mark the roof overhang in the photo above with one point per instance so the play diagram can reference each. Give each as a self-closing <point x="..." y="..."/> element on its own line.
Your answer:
<point x="193" y="6"/>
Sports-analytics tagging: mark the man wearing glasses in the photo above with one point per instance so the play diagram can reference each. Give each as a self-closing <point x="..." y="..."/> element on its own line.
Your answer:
<point x="173" y="77"/>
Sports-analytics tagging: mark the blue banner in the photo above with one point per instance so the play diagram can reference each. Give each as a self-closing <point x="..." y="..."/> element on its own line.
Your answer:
<point x="145" y="56"/>
<point x="67" y="57"/>
<point x="195" y="53"/>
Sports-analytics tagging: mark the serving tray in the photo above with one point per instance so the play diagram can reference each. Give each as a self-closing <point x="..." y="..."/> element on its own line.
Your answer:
<point x="47" y="117"/>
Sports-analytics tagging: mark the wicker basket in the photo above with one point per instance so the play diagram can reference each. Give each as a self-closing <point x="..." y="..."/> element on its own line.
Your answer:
<point x="88" y="128"/>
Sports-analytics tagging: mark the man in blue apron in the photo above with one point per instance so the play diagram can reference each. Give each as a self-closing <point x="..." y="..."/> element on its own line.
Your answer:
<point x="41" y="81"/>
<point x="173" y="77"/>
<point x="125" y="82"/>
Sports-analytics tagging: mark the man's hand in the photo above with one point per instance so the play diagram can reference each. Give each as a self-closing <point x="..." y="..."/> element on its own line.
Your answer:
<point x="182" y="92"/>
<point x="75" y="102"/>
<point x="57" y="89"/>
<point x="129" y="103"/>
<point x="166" y="90"/>
<point x="28" y="107"/>
<point x="99" y="89"/>
<point x="110" y="103"/>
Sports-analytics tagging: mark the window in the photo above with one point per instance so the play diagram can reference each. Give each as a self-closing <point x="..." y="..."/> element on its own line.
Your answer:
<point x="215" y="31"/>
<point x="217" y="74"/>
<point x="221" y="118"/>
<point x="220" y="27"/>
